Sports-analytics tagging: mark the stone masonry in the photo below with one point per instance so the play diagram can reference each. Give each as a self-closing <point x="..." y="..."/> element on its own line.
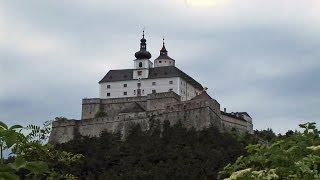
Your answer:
<point x="198" y="113"/>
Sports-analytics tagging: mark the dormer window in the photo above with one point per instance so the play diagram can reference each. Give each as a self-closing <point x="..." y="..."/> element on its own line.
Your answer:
<point x="140" y="64"/>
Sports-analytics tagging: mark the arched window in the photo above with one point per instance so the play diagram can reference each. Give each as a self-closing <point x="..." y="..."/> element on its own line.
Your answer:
<point x="140" y="64"/>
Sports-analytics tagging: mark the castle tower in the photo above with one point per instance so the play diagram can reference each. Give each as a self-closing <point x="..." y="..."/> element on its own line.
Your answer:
<point x="164" y="59"/>
<point x="142" y="62"/>
<point x="145" y="79"/>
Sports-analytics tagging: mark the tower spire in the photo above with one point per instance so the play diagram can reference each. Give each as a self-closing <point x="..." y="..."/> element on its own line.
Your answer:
<point x="163" y="50"/>
<point x="143" y="33"/>
<point x="163" y="40"/>
<point x="143" y="44"/>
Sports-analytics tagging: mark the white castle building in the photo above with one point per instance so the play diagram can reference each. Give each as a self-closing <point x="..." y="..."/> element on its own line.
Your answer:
<point x="150" y="91"/>
<point x="148" y="77"/>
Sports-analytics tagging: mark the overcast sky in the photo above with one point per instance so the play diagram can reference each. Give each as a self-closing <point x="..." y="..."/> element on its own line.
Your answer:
<point x="258" y="56"/>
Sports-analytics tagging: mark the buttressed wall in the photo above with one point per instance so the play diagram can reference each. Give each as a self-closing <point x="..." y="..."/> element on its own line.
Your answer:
<point x="158" y="106"/>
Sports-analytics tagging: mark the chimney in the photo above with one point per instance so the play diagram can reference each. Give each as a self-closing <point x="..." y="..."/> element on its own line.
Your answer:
<point x="225" y="110"/>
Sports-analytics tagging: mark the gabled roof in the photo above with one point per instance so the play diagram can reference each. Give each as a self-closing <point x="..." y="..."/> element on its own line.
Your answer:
<point x="154" y="73"/>
<point x="164" y="56"/>
<point x="233" y="116"/>
<point x="203" y="95"/>
<point x="244" y="113"/>
<point x="118" y="75"/>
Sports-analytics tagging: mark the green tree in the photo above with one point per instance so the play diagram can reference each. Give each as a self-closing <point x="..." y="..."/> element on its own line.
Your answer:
<point x="161" y="152"/>
<point x="11" y="138"/>
<point x="31" y="156"/>
<point x="294" y="156"/>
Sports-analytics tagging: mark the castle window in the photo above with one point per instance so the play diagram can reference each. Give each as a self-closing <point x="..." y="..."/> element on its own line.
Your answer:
<point x="139" y="73"/>
<point x="124" y="85"/>
<point x="153" y="83"/>
<point x="153" y="91"/>
<point x="125" y="93"/>
<point x="165" y="61"/>
<point x="108" y="94"/>
<point x="134" y="92"/>
<point x="170" y="82"/>
<point x="108" y="86"/>
<point x="170" y="89"/>
<point x="140" y="64"/>
<point x="159" y="61"/>
<point x="138" y="84"/>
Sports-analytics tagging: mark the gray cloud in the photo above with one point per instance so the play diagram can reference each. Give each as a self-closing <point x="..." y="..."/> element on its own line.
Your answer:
<point x="261" y="59"/>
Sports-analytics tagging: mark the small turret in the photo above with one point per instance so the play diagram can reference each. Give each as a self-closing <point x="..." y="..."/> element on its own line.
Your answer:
<point x="164" y="59"/>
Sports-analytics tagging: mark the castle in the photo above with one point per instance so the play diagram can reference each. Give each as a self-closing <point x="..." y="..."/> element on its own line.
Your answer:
<point x="151" y="91"/>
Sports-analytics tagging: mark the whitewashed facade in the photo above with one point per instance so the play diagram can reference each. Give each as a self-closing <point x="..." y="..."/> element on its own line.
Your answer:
<point x="145" y="79"/>
<point x="130" y="88"/>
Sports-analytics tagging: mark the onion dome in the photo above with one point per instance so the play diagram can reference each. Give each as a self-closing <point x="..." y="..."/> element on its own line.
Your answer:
<point x="143" y="53"/>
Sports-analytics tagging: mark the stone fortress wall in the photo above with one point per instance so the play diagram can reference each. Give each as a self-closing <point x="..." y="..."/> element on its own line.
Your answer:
<point x="112" y="106"/>
<point x="200" y="113"/>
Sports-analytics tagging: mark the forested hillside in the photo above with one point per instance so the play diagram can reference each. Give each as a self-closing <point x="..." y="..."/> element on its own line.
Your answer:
<point x="171" y="153"/>
<point x="176" y="153"/>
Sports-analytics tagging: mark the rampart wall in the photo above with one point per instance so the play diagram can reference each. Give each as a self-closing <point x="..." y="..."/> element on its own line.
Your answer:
<point x="111" y="106"/>
<point x="63" y="131"/>
<point x="197" y="114"/>
<point x="157" y="101"/>
<point x="66" y="130"/>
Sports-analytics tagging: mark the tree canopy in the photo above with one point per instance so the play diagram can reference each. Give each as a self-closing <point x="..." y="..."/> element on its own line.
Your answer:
<point x="162" y="152"/>
<point x="293" y="156"/>
<point x="174" y="153"/>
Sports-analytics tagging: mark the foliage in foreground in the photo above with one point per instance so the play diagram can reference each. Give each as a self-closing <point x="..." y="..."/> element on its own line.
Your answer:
<point x="31" y="157"/>
<point x="294" y="156"/>
<point x="177" y="153"/>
